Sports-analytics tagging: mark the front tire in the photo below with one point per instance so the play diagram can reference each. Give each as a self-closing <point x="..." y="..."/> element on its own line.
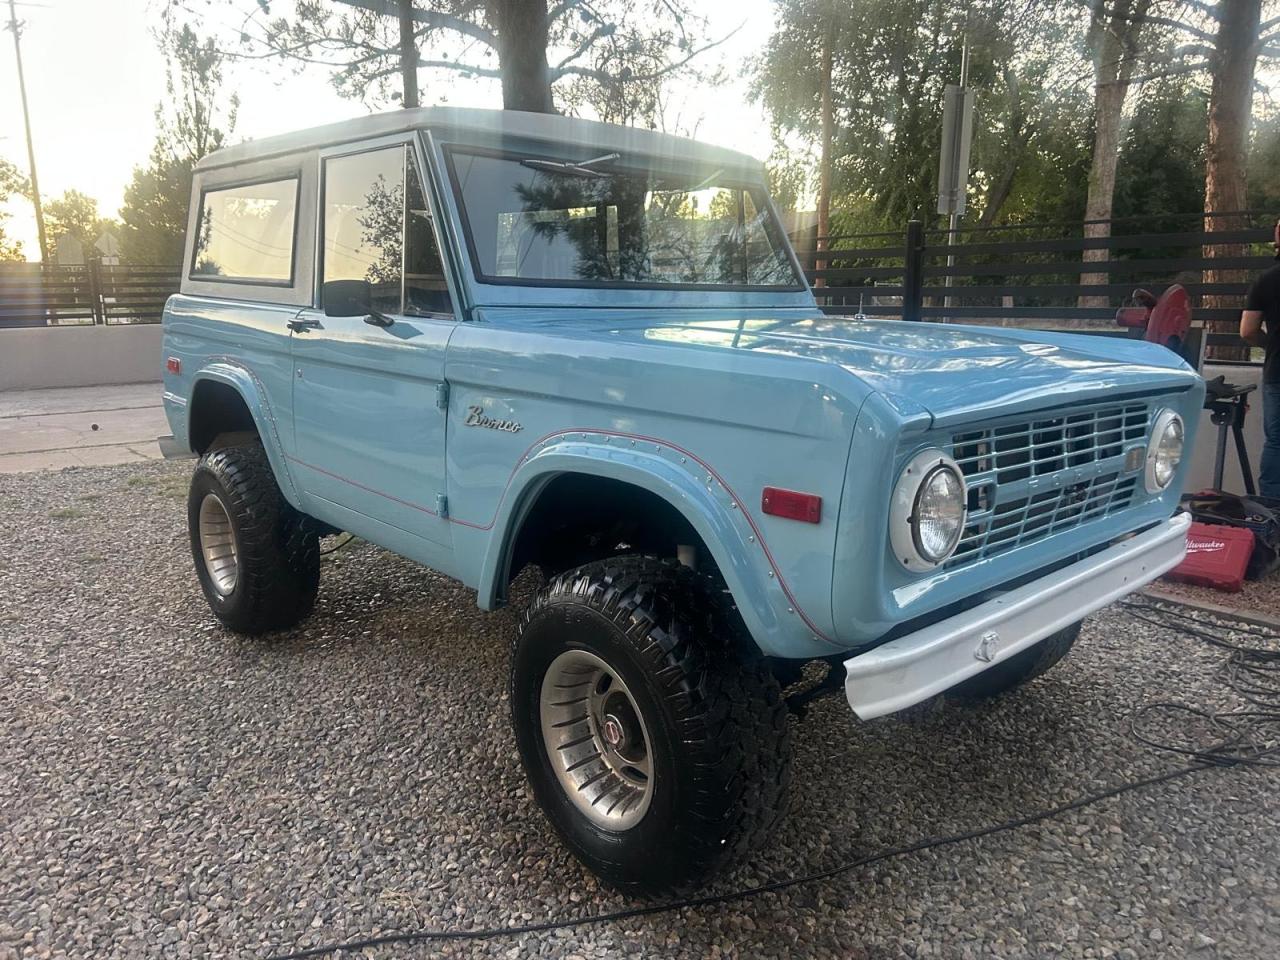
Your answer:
<point x="257" y="559"/>
<point x="1020" y="668"/>
<point x="654" y="736"/>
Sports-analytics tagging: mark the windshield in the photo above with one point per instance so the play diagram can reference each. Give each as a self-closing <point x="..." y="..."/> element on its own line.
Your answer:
<point x="595" y="222"/>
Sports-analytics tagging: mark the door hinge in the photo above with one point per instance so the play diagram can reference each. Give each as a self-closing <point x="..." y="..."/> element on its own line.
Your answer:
<point x="442" y="505"/>
<point x="442" y="395"/>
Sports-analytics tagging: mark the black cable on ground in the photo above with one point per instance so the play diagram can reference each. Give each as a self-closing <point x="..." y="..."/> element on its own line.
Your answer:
<point x="490" y="933"/>
<point x="337" y="546"/>
<point x="1251" y="670"/>
<point x="1241" y="745"/>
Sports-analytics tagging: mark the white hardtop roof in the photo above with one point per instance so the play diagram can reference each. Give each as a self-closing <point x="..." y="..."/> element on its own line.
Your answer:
<point x="455" y="120"/>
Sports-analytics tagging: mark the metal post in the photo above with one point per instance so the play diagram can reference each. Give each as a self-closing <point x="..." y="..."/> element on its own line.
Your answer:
<point x="1242" y="451"/>
<point x="953" y="223"/>
<point x="913" y="272"/>
<point x="31" y="150"/>
<point x="97" y="302"/>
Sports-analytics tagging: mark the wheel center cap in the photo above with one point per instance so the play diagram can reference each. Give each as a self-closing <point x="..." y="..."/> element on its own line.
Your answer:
<point x="612" y="731"/>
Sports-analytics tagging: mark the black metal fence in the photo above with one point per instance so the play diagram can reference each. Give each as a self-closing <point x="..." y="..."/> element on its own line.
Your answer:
<point x="38" y="295"/>
<point x="1020" y="275"/>
<point x="1036" y="275"/>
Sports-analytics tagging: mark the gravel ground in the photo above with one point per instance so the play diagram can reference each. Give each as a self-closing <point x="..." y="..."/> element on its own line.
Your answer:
<point x="167" y="789"/>
<point x="1257" y="596"/>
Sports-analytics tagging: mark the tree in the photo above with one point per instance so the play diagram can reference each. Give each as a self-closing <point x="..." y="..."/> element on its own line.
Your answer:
<point x="1233" y="61"/>
<point x="1262" y="179"/>
<point x="788" y="174"/>
<point x="1031" y="145"/>
<point x="154" y="212"/>
<point x="1232" y="66"/>
<point x="889" y="64"/>
<point x="75" y="215"/>
<point x="614" y="96"/>
<point x="1162" y="153"/>
<point x="12" y="183"/>
<point x="1223" y="40"/>
<point x="198" y="119"/>
<point x="1114" y="41"/>
<point x="530" y="46"/>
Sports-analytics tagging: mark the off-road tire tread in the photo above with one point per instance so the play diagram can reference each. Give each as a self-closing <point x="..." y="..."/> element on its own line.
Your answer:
<point x="726" y="698"/>
<point x="279" y="549"/>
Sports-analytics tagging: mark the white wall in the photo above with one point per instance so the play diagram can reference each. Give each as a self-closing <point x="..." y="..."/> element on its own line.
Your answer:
<point x="31" y="358"/>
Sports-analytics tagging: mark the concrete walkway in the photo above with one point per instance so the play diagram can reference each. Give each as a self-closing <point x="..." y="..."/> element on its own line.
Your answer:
<point x="79" y="427"/>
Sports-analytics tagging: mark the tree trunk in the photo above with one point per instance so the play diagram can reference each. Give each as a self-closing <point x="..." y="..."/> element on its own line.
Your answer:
<point x="823" y="242"/>
<point x="1113" y="38"/>
<point x="408" y="57"/>
<point x="1235" y="57"/>
<point x="1108" y="112"/>
<point x="521" y="27"/>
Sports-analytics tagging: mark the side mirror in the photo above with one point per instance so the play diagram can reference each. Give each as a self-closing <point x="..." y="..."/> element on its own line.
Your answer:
<point x="351" y="298"/>
<point x="346" y="298"/>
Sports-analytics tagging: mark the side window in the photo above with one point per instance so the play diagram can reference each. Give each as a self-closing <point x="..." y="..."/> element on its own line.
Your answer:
<point x="246" y="233"/>
<point x="377" y="227"/>
<point x="425" y="289"/>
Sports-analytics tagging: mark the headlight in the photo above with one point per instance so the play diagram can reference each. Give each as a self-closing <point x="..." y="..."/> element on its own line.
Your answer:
<point x="927" y="515"/>
<point x="1164" y="453"/>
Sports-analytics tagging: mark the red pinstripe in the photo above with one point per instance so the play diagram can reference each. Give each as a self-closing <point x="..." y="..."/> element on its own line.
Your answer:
<point x="786" y="589"/>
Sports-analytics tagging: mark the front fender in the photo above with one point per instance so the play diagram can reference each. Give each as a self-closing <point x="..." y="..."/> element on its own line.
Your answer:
<point x="771" y="615"/>
<point x="254" y="394"/>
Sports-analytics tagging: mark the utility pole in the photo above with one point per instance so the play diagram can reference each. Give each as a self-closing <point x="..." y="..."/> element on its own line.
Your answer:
<point x="822" y="242"/>
<point x="953" y="176"/>
<point x="26" y="120"/>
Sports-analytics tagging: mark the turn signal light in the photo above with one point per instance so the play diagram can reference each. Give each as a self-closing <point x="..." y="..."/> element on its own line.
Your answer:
<point x="806" y="507"/>
<point x="173" y="365"/>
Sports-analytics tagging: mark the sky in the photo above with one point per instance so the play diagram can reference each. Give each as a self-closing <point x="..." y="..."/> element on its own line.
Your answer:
<point x="95" y="76"/>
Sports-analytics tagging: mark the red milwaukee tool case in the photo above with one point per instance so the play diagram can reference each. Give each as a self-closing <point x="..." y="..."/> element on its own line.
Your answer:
<point x="1216" y="557"/>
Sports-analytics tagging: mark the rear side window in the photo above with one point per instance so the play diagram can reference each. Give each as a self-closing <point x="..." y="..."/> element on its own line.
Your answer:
<point x="246" y="232"/>
<point x="377" y="227"/>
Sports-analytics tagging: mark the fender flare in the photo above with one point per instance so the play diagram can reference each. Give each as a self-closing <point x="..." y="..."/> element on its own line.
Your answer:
<point x="253" y="392"/>
<point x="710" y="507"/>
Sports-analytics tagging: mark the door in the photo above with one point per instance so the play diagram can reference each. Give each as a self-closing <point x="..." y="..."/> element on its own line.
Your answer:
<point x="369" y="434"/>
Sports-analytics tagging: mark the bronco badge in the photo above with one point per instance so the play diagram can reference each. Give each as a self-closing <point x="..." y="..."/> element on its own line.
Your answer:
<point x="476" y="417"/>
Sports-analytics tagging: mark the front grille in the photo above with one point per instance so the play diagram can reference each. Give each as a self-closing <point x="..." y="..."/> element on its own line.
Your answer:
<point x="1028" y="479"/>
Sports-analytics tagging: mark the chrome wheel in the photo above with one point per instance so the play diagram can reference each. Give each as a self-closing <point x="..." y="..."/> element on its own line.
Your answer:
<point x="596" y="740"/>
<point x="218" y="545"/>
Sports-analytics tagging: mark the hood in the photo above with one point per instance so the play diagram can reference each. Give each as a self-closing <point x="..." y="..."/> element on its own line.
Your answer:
<point x="954" y="373"/>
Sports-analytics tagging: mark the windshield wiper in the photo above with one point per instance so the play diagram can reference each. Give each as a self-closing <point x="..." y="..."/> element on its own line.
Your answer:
<point x="581" y="169"/>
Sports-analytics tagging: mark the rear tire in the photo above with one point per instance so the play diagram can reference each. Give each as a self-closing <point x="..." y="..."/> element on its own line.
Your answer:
<point x="257" y="558"/>
<point x="654" y="735"/>
<point x="1019" y="668"/>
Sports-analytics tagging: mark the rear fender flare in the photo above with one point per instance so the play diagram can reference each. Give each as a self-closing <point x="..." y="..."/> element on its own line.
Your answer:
<point x="254" y="394"/>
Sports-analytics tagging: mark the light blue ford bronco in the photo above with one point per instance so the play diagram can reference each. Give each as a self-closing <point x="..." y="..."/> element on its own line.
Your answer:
<point x="489" y="340"/>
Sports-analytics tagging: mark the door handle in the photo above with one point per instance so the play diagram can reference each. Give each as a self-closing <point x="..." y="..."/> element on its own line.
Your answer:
<point x="298" y="325"/>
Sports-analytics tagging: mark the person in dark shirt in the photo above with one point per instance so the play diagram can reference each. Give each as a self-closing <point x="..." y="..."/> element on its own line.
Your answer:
<point x="1260" y="326"/>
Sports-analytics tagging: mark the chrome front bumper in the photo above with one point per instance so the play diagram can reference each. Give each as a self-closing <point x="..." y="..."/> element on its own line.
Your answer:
<point x="913" y="668"/>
